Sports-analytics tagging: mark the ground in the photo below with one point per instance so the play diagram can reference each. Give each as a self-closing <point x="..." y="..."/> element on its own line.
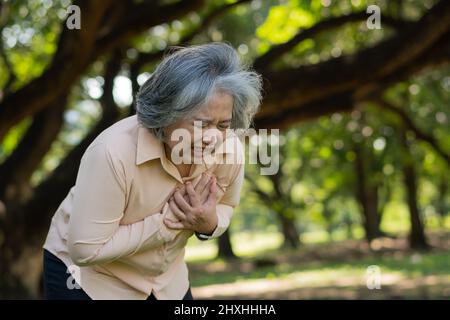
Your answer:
<point x="337" y="270"/>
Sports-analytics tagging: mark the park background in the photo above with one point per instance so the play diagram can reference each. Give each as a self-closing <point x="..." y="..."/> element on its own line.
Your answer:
<point x="362" y="195"/>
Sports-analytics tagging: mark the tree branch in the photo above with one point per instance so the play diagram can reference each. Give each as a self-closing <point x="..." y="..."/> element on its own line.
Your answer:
<point x="360" y="73"/>
<point x="40" y="208"/>
<point x="264" y="61"/>
<point x="265" y="197"/>
<point x="17" y="169"/>
<point x="77" y="49"/>
<point x="4" y="13"/>
<point x="69" y="61"/>
<point x="293" y="87"/>
<point x="410" y="125"/>
<point x="140" y="17"/>
<point x="285" y="118"/>
<point x="436" y="55"/>
<point x="11" y="74"/>
<point x="146" y="58"/>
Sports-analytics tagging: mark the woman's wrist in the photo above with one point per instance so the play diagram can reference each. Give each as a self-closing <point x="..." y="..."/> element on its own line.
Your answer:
<point x="210" y="224"/>
<point x="205" y="235"/>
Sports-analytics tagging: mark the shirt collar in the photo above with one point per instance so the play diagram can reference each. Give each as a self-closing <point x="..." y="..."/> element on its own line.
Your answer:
<point x="148" y="146"/>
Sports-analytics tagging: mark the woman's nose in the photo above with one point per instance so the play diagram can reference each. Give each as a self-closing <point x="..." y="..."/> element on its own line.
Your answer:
<point x="209" y="140"/>
<point x="211" y="137"/>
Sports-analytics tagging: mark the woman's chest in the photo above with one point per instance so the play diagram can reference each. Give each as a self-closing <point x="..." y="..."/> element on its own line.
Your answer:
<point x="151" y="187"/>
<point x="184" y="169"/>
<point x="147" y="192"/>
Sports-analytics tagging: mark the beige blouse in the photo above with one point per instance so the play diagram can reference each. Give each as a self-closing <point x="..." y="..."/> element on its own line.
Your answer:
<point x="109" y="229"/>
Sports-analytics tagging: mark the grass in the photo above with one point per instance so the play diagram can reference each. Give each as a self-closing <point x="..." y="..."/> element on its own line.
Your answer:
<point x="249" y="244"/>
<point x="409" y="266"/>
<point x="407" y="274"/>
<point x="244" y="244"/>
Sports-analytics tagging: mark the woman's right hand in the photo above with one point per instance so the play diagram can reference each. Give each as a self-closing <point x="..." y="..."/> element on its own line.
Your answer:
<point x="196" y="214"/>
<point x="201" y="189"/>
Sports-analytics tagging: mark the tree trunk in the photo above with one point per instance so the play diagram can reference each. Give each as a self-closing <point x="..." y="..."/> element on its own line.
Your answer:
<point x="26" y="224"/>
<point x="17" y="169"/>
<point x="225" y="247"/>
<point x="367" y="196"/>
<point x="417" y="239"/>
<point x="417" y="236"/>
<point x="290" y="232"/>
<point x="348" y="223"/>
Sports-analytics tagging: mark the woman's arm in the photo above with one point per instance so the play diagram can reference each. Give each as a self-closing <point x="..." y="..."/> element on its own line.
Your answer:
<point x="95" y="235"/>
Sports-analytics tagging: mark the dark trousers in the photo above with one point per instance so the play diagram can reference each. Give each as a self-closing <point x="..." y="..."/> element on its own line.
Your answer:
<point x="56" y="280"/>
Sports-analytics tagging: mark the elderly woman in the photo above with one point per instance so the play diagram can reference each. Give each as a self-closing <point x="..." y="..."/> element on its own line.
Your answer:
<point x="121" y="231"/>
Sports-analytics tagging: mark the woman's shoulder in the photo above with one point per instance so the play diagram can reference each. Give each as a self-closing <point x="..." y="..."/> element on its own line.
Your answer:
<point x="119" y="140"/>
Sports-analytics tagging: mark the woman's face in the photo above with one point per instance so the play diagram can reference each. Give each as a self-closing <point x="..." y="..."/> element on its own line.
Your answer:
<point x="206" y="128"/>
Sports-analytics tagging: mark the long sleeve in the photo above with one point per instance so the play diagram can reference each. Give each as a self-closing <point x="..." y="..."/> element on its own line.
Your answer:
<point x="95" y="234"/>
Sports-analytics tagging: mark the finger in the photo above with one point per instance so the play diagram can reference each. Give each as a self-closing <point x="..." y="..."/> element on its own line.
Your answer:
<point x="201" y="183"/>
<point x="176" y="211"/>
<point x="212" y="197"/>
<point x="173" y="225"/>
<point x="195" y="202"/>
<point x="205" y="193"/>
<point x="182" y="190"/>
<point x="182" y="203"/>
<point x="204" y="180"/>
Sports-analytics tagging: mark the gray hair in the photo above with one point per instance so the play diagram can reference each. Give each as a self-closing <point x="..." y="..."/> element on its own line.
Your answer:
<point x="186" y="79"/>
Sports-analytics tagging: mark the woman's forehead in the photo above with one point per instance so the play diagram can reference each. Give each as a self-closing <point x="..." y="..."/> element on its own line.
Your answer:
<point x="220" y="105"/>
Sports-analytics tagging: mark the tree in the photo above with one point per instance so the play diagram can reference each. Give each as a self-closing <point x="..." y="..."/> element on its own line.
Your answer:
<point x="417" y="236"/>
<point x="43" y="78"/>
<point x="279" y="200"/>
<point x="225" y="247"/>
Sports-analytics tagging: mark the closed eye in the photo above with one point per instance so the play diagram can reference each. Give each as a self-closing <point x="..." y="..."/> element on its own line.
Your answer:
<point x="200" y="124"/>
<point x="223" y="126"/>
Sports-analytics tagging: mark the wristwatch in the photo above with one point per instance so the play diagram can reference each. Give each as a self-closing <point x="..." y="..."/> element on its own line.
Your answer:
<point x="202" y="236"/>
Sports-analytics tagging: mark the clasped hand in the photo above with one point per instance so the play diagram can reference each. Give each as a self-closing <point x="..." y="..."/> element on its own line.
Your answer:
<point x="194" y="208"/>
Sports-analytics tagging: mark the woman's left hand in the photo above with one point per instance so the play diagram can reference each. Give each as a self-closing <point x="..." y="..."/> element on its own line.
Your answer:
<point x="197" y="215"/>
